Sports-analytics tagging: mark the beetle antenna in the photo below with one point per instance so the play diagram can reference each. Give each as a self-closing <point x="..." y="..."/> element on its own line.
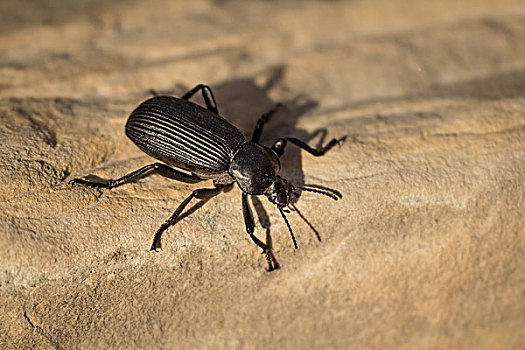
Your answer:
<point x="289" y="227"/>
<point x="326" y="193"/>
<point x="307" y="222"/>
<point x="324" y="188"/>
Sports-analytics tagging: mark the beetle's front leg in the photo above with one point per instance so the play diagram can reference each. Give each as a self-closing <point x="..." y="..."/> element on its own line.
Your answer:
<point x="279" y="146"/>
<point x="250" y="227"/>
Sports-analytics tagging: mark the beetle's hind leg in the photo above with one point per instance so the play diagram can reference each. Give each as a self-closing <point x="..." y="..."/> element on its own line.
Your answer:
<point x="148" y="170"/>
<point x="250" y="227"/>
<point x="202" y="193"/>
<point x="207" y="94"/>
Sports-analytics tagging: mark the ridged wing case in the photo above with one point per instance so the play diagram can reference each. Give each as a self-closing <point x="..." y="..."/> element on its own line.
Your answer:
<point x="185" y="135"/>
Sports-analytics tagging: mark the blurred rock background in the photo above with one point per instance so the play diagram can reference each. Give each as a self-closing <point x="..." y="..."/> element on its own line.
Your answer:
<point x="425" y="250"/>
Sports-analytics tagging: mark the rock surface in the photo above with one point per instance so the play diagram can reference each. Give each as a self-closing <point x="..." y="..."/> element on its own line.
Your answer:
<point x="425" y="250"/>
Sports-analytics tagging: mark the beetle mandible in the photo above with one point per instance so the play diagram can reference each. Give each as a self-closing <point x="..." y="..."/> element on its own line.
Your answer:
<point x="198" y="140"/>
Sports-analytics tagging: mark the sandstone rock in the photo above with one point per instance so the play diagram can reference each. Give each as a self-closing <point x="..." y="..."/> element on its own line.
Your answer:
<point x="425" y="250"/>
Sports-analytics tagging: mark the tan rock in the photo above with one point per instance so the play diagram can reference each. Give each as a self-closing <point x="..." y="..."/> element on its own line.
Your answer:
<point x="425" y="250"/>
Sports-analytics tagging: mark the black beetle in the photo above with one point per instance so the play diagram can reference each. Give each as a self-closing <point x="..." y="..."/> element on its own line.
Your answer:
<point x="189" y="137"/>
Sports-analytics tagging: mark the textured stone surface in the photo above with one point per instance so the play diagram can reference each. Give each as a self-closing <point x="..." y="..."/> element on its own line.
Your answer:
<point x="426" y="249"/>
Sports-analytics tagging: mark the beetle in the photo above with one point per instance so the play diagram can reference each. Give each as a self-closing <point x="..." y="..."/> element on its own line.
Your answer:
<point x="197" y="140"/>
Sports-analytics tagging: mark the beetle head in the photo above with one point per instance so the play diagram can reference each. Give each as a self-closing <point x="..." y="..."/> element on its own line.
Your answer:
<point x="280" y="192"/>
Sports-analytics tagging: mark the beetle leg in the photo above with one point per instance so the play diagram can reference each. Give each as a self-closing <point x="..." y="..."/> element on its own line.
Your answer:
<point x="262" y="120"/>
<point x="155" y="168"/>
<point x="202" y="193"/>
<point x="207" y="94"/>
<point x="279" y="146"/>
<point x="250" y="227"/>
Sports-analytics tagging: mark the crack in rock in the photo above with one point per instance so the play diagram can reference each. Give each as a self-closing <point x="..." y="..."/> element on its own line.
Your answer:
<point x="41" y="332"/>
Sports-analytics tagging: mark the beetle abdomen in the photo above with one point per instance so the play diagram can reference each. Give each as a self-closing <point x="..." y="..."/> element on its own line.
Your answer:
<point x="183" y="134"/>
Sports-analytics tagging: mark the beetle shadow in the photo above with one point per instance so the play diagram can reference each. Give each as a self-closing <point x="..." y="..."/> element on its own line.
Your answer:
<point x="241" y="102"/>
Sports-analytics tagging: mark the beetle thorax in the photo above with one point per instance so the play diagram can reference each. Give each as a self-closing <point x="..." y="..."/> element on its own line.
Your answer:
<point x="254" y="168"/>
